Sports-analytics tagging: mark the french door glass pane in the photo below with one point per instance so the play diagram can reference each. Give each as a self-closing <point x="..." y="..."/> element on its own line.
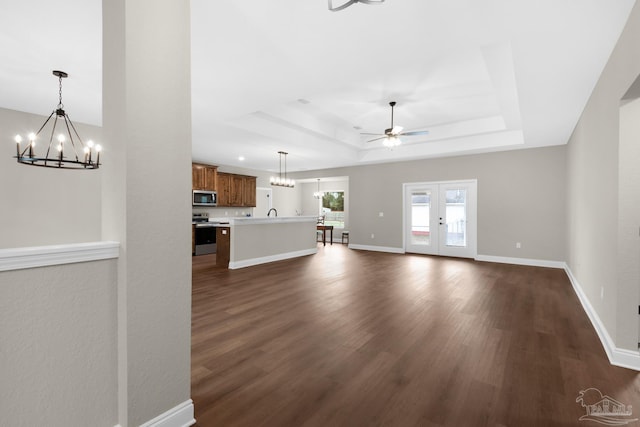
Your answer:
<point x="420" y="217"/>
<point x="456" y="214"/>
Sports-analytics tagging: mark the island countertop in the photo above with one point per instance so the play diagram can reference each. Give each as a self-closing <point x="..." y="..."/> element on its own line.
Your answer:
<point x="271" y="220"/>
<point x="255" y="241"/>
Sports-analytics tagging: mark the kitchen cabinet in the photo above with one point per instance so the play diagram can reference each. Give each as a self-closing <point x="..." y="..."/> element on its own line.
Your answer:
<point x="193" y="239"/>
<point x="249" y="192"/>
<point x="236" y="190"/>
<point x="204" y="177"/>
<point x="224" y="189"/>
<point x="223" y="240"/>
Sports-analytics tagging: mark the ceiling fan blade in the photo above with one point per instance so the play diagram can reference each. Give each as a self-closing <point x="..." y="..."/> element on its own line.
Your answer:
<point x="373" y="134"/>
<point x="396" y="130"/>
<point x="344" y="6"/>
<point x="377" y="139"/>
<point x="371" y="1"/>
<point x="417" y="132"/>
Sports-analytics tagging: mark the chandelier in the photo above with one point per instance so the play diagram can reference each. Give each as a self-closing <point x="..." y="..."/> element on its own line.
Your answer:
<point x="65" y="149"/>
<point x="280" y="180"/>
<point x="350" y="2"/>
<point x="318" y="194"/>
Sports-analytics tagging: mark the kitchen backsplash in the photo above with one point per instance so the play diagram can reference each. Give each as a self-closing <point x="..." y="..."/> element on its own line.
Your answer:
<point x="222" y="212"/>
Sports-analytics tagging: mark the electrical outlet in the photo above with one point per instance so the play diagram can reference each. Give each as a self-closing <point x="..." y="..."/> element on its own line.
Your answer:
<point x="518" y="245"/>
<point x="372" y="236"/>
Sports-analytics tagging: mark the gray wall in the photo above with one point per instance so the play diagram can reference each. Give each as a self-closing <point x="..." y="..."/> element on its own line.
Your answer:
<point x="521" y="198"/>
<point x="43" y="206"/>
<point x="58" y="358"/>
<point x="147" y="121"/>
<point x="106" y="343"/>
<point x="601" y="186"/>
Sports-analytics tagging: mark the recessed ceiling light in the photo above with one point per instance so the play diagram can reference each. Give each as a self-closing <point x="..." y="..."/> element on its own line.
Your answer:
<point x="357" y="127"/>
<point x="241" y="158"/>
<point x="303" y="101"/>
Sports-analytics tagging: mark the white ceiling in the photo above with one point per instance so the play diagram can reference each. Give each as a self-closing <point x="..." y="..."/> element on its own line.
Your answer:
<point x="289" y="75"/>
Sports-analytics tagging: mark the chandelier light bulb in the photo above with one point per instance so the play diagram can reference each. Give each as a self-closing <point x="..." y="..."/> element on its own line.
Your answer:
<point x="18" y="139"/>
<point x="98" y="148"/>
<point x="59" y="147"/>
<point x="61" y="138"/>
<point x="90" y="143"/>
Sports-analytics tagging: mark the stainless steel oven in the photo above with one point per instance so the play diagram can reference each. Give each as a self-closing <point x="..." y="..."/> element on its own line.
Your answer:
<point x="205" y="238"/>
<point x="205" y="234"/>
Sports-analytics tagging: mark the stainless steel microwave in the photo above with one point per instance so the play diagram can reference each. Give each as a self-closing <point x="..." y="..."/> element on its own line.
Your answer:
<point x="205" y="198"/>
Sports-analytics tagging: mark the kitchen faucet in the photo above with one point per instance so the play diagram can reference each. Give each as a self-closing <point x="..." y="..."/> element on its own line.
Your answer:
<point x="272" y="209"/>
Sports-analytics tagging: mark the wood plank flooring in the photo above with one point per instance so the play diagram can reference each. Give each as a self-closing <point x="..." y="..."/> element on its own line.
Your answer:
<point x="356" y="338"/>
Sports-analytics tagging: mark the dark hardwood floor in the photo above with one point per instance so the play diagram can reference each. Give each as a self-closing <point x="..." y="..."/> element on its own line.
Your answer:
<point x="356" y="338"/>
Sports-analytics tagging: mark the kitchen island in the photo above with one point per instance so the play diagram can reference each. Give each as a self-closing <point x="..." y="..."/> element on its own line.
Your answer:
<point x="254" y="241"/>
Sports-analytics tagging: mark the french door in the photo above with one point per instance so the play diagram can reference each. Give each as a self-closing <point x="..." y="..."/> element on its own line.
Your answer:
<point x="440" y="218"/>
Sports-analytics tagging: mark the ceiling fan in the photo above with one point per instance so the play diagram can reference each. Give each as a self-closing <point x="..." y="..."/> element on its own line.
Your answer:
<point x="350" y="2"/>
<point x="392" y="135"/>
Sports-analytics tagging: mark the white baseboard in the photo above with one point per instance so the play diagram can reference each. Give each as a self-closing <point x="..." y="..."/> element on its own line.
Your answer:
<point x="617" y="356"/>
<point x="521" y="261"/>
<point x="377" y="248"/>
<point x="178" y="416"/>
<point x="271" y="258"/>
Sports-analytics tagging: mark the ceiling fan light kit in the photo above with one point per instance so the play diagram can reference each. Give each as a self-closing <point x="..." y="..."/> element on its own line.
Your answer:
<point x="350" y="2"/>
<point x="67" y="139"/>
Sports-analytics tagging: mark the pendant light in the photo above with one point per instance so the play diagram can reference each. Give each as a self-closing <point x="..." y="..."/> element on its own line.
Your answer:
<point x="318" y="194"/>
<point x="280" y="180"/>
<point x="65" y="149"/>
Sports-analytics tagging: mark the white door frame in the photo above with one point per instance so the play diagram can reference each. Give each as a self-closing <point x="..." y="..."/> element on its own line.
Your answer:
<point x="471" y="248"/>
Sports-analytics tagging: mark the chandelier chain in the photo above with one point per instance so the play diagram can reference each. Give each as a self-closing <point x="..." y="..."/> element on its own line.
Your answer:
<point x="60" y="104"/>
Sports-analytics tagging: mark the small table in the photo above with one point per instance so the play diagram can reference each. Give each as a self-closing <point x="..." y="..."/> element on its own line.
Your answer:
<point x="324" y="229"/>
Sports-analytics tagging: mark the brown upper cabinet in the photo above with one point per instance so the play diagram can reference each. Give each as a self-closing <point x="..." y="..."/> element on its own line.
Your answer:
<point x="224" y="189"/>
<point x="249" y="193"/>
<point x="236" y="190"/>
<point x="204" y="177"/>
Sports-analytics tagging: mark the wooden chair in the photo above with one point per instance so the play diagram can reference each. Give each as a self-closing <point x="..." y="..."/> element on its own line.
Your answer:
<point x="320" y="221"/>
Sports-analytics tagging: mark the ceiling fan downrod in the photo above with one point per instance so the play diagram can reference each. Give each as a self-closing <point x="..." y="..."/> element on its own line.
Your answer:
<point x="390" y="130"/>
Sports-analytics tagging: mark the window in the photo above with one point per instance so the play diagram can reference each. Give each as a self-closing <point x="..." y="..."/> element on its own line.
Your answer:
<point x="332" y="208"/>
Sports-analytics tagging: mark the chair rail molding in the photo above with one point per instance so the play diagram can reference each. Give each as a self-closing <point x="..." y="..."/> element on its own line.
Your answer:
<point x="42" y="256"/>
